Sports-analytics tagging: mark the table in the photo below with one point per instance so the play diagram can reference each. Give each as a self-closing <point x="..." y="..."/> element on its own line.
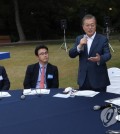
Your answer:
<point x="46" y="114"/>
<point x="4" y="55"/>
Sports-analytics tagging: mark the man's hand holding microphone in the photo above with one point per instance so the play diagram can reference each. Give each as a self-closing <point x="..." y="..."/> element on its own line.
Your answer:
<point x="83" y="42"/>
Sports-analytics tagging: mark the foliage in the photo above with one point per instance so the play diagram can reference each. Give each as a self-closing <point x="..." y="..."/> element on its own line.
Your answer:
<point x="41" y="19"/>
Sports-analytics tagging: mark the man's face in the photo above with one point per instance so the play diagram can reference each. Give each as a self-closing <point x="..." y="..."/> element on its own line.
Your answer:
<point x="89" y="26"/>
<point x="43" y="56"/>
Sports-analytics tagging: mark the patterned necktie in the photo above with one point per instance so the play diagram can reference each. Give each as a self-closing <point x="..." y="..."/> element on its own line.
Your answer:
<point x="42" y="77"/>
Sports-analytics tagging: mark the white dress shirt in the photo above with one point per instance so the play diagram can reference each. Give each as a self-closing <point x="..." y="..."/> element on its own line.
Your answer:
<point x="89" y="41"/>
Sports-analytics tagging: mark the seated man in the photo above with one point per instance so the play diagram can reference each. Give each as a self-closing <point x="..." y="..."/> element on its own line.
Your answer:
<point x="41" y="74"/>
<point x="4" y="81"/>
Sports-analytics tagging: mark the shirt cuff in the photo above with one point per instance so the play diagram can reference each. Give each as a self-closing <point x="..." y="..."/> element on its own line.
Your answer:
<point x="78" y="49"/>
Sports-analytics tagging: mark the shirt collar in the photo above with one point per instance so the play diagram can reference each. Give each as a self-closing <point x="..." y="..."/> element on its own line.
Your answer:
<point x="92" y="37"/>
<point x="42" y="65"/>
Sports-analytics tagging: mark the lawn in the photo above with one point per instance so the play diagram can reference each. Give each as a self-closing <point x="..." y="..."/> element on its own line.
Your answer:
<point x="23" y="55"/>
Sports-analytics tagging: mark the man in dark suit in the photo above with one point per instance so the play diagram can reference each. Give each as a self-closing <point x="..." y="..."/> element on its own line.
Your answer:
<point x="93" y="51"/>
<point x="34" y="71"/>
<point x="4" y="81"/>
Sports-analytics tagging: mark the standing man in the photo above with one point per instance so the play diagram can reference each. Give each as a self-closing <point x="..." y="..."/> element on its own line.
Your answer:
<point x="41" y="74"/>
<point x="93" y="51"/>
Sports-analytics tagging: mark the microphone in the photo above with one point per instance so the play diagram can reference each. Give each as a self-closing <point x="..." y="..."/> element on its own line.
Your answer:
<point x="38" y="94"/>
<point x="84" y="36"/>
<point x="97" y="107"/>
<point x="22" y="97"/>
<point x="1" y="96"/>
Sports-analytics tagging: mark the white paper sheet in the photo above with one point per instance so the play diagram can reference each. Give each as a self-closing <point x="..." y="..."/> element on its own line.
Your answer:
<point x="62" y="95"/>
<point x="36" y="91"/>
<point x="115" y="101"/>
<point x="4" y="94"/>
<point x="42" y="91"/>
<point x="86" y="93"/>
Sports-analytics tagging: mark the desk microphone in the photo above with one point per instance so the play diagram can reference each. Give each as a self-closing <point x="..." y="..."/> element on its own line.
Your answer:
<point x="22" y="97"/>
<point x="1" y="96"/>
<point x="97" y="107"/>
<point x="38" y="94"/>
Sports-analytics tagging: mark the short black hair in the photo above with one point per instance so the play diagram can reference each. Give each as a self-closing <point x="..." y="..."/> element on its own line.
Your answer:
<point x="41" y="46"/>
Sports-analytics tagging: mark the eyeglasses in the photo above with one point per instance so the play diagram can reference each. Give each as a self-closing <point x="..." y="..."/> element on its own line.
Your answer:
<point x="90" y="25"/>
<point x="43" y="53"/>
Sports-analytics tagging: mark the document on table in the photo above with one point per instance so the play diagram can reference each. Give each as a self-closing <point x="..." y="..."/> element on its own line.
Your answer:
<point x="62" y="95"/>
<point x="115" y="101"/>
<point x="36" y="91"/>
<point x="86" y="93"/>
<point x="4" y="94"/>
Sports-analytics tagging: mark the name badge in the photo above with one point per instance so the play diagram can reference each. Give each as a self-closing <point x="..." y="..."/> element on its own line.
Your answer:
<point x="50" y="76"/>
<point x="1" y="78"/>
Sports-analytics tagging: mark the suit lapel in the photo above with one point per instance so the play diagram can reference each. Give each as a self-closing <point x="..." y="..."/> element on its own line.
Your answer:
<point x="36" y="71"/>
<point x="47" y="70"/>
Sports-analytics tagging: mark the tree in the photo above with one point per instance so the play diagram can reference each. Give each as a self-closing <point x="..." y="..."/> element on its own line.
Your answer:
<point x="18" y="23"/>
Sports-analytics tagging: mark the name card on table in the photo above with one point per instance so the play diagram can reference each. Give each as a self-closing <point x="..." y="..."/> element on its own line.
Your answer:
<point x="4" y="55"/>
<point x="4" y="94"/>
<point x="36" y="91"/>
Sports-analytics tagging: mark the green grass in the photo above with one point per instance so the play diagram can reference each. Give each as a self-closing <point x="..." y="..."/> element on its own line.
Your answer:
<point x="23" y="55"/>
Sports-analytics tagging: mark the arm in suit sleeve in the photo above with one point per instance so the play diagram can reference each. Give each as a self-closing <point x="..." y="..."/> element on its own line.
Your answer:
<point x="5" y="83"/>
<point x="106" y="52"/>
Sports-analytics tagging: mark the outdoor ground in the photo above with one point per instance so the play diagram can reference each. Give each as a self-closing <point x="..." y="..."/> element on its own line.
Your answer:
<point x="23" y="55"/>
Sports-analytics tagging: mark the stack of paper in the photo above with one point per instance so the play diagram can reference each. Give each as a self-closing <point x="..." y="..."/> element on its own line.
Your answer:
<point x="115" y="101"/>
<point x="4" y="94"/>
<point x="36" y="91"/>
<point x="62" y="95"/>
<point x="86" y="93"/>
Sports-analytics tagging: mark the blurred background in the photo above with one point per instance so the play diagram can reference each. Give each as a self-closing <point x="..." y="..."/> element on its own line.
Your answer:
<point x="43" y="19"/>
<point x="55" y="23"/>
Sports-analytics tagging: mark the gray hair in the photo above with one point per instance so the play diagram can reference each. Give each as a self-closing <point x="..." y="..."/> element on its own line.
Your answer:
<point x="88" y="16"/>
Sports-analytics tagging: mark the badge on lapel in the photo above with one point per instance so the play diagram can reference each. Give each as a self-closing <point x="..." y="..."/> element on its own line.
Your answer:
<point x="50" y="76"/>
<point x="1" y="78"/>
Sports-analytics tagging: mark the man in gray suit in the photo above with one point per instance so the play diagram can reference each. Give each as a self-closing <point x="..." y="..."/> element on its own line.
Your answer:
<point x="93" y="51"/>
<point x="34" y="71"/>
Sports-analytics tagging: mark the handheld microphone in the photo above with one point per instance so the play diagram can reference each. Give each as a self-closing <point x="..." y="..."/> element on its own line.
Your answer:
<point x="22" y="97"/>
<point x="82" y="48"/>
<point x="97" y="107"/>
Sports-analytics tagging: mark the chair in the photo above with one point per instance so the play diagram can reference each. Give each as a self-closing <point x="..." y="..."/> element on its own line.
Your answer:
<point x="114" y="76"/>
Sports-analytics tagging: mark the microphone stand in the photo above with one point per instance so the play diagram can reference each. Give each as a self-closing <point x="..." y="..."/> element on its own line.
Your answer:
<point x="64" y="42"/>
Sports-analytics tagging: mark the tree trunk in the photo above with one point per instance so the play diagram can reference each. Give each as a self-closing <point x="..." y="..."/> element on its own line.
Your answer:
<point x="17" y="20"/>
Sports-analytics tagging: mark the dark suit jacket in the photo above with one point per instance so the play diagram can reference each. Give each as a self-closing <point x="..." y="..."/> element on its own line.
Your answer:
<point x="97" y="74"/>
<point x="32" y="73"/>
<point x="4" y="81"/>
